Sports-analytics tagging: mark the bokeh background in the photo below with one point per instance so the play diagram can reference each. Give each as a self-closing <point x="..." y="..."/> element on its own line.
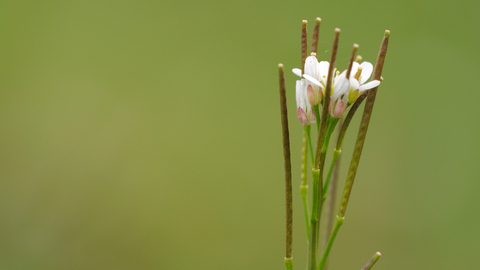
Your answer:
<point x="146" y="134"/>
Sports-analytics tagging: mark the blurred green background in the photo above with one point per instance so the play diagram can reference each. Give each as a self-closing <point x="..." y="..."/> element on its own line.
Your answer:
<point x="146" y="134"/>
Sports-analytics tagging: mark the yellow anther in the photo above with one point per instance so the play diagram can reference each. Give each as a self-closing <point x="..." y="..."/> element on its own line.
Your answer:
<point x="359" y="72"/>
<point x="359" y="58"/>
<point x="313" y="54"/>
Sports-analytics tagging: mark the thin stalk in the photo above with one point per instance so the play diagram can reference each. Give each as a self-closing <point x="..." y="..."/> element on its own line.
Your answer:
<point x="304" y="52"/>
<point x="334" y="166"/>
<point x="316" y="32"/>
<point x="289" y="263"/>
<point x="326" y="100"/>
<point x="314" y="220"/>
<point x="317" y="171"/>
<point x="338" y="223"/>
<point x="317" y="115"/>
<point x="348" y="119"/>
<point x="341" y="135"/>
<point x="362" y="132"/>
<point x="309" y="141"/>
<point x="306" y="135"/>
<point x="287" y="167"/>
<point x="332" y="194"/>
<point x="336" y="155"/>
<point x="303" y="185"/>
<point x="372" y="261"/>
<point x="331" y="127"/>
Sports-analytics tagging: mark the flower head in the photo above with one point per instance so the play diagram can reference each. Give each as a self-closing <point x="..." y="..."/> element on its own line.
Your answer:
<point x="339" y="95"/>
<point x="359" y="75"/>
<point x="304" y="109"/>
<point x="314" y="72"/>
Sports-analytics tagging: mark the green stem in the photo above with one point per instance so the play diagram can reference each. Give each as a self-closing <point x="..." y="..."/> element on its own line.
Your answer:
<point x="317" y="171"/>
<point x="330" y="196"/>
<point x="314" y="221"/>
<point x="362" y="131"/>
<point x="354" y="162"/>
<point x="338" y="224"/>
<point x="303" y="185"/>
<point x="289" y="263"/>
<point x="317" y="115"/>
<point x="309" y="141"/>
<point x="372" y="261"/>
<point x="348" y="119"/>
<point x="317" y="201"/>
<point x="331" y="127"/>
<point x="336" y="155"/>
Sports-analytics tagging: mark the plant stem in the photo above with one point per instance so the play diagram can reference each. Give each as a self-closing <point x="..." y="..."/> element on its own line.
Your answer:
<point x="287" y="165"/>
<point x="336" y="155"/>
<point x="348" y="119"/>
<point x="306" y="135"/>
<point x="316" y="32"/>
<point x="317" y="115"/>
<point x="341" y="135"/>
<point x="317" y="171"/>
<point x="331" y="128"/>
<point x="309" y="140"/>
<point x="331" y="198"/>
<point x="362" y="132"/>
<point x="304" y="49"/>
<point x="303" y="185"/>
<point x="289" y="263"/>
<point x="314" y="220"/>
<point x="338" y="223"/>
<point x="335" y="167"/>
<point x="372" y="261"/>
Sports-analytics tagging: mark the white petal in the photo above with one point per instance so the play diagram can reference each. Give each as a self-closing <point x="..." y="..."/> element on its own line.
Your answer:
<point x="311" y="67"/>
<point x="343" y="74"/>
<point x="323" y="67"/>
<point x="367" y="69"/>
<point x="312" y="80"/>
<point x="354" y="69"/>
<point x="299" y="94"/>
<point x="297" y="72"/>
<point x="341" y="87"/>
<point x="323" y="71"/>
<point x="369" y="85"/>
<point x="354" y="84"/>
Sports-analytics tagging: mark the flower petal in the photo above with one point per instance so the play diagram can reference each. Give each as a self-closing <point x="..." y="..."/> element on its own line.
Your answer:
<point x="340" y="108"/>
<point x="312" y="80"/>
<point x="302" y="116"/>
<point x="297" y="72"/>
<point x="311" y="67"/>
<point x="354" y="69"/>
<point x="369" y="85"/>
<point x="367" y="69"/>
<point x="341" y="86"/>
<point x="299" y="93"/>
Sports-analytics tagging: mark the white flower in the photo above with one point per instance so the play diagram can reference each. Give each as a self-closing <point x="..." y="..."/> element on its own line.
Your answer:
<point x="359" y="75"/>
<point x="314" y="72"/>
<point x="344" y="90"/>
<point x="339" y="92"/>
<point x="339" y="97"/>
<point x="304" y="109"/>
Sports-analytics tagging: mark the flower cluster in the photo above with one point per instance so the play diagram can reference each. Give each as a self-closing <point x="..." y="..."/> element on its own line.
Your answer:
<point x="310" y="90"/>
